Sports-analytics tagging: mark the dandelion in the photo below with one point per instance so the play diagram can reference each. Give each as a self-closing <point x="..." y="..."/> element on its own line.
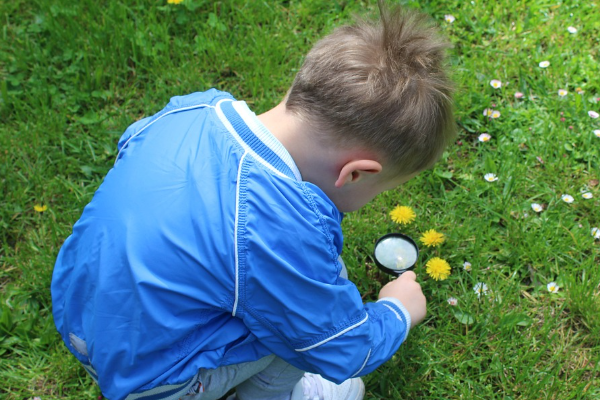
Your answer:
<point x="403" y="215"/>
<point x="438" y="268"/>
<point x="537" y="207"/>
<point x="587" y="195"/>
<point x="518" y="95"/>
<point x="593" y="114"/>
<point x="452" y="301"/>
<point x="490" y="177"/>
<point x="572" y="29"/>
<point x="449" y="18"/>
<point x="597" y="132"/>
<point x="174" y="1"/>
<point x="495" y="114"/>
<point x="484" y="137"/>
<point x="567" y="198"/>
<point x="467" y="266"/>
<point x="432" y="238"/>
<point x="496" y="83"/>
<point x="40" y="208"/>
<point x="553" y="287"/>
<point x="480" y="288"/>
<point x="544" y="64"/>
<point x="562" y="92"/>
<point x="596" y="233"/>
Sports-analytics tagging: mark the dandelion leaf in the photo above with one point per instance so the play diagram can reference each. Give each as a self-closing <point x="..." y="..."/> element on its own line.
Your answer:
<point x="464" y="318"/>
<point x="515" y="319"/>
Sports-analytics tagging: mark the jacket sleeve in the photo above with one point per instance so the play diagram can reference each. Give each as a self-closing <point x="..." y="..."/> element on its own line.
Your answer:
<point x="291" y="297"/>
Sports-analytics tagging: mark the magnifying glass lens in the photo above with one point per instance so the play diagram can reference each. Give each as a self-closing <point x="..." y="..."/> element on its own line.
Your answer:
<point x="396" y="253"/>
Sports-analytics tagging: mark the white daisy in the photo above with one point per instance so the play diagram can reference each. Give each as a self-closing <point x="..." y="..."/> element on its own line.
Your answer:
<point x="490" y="177"/>
<point x="544" y="64"/>
<point x="495" y="114"/>
<point x="537" y="207"/>
<point x="572" y="29"/>
<point x="597" y="132"/>
<point x="496" y="83"/>
<point x="553" y="287"/>
<point x="467" y="266"/>
<point x="484" y="137"/>
<point x="452" y="301"/>
<point x="587" y="195"/>
<point x="480" y="288"/>
<point x="596" y="233"/>
<point x="567" y="198"/>
<point x="449" y="18"/>
<point x="562" y="92"/>
<point x="518" y="95"/>
<point x="593" y="114"/>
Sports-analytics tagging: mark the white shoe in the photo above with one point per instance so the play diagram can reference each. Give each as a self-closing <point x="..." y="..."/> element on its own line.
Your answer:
<point x="315" y="387"/>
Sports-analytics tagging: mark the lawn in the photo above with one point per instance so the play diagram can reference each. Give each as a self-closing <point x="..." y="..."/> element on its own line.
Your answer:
<point x="516" y="197"/>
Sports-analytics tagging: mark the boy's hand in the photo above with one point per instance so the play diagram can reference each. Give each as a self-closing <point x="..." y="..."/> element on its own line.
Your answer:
<point x="406" y="289"/>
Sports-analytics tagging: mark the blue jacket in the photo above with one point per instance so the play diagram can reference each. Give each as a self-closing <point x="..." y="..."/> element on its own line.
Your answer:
<point x="202" y="248"/>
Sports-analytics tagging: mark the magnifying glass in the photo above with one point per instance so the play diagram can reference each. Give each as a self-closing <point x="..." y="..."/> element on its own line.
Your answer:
<point x="395" y="253"/>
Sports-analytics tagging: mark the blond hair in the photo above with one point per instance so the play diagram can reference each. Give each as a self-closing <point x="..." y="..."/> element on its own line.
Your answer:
<point x="381" y="85"/>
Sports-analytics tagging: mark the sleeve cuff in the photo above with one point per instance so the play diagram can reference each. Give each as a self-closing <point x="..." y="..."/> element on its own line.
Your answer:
<point x="396" y="306"/>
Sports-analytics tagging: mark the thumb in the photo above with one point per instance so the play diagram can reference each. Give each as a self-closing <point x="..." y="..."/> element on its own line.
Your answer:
<point x="408" y="275"/>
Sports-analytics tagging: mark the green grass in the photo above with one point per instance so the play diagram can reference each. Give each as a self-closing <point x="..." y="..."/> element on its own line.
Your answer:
<point x="74" y="75"/>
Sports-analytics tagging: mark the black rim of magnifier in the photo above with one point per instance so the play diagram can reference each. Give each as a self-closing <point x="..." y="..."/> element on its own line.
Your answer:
<point x="387" y="270"/>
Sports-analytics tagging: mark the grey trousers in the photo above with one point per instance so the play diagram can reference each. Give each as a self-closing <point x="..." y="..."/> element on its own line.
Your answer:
<point x="269" y="378"/>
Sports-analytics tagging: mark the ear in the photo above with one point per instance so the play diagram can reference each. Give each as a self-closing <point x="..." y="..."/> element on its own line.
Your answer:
<point x="353" y="171"/>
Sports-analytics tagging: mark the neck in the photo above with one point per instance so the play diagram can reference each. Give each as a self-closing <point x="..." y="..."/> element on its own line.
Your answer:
<point x="317" y="163"/>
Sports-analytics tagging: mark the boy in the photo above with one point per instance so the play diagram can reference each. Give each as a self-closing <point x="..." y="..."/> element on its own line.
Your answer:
<point x="208" y="259"/>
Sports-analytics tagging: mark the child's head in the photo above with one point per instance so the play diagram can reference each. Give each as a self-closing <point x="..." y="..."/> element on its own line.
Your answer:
<point x="381" y="86"/>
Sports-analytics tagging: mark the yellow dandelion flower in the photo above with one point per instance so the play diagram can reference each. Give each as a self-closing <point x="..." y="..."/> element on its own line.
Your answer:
<point x="438" y="268"/>
<point x="403" y="215"/>
<point x="40" y="208"/>
<point x="432" y="238"/>
<point x="174" y="1"/>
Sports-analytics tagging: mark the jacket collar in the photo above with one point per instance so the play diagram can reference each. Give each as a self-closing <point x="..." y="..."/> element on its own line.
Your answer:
<point x="255" y="138"/>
